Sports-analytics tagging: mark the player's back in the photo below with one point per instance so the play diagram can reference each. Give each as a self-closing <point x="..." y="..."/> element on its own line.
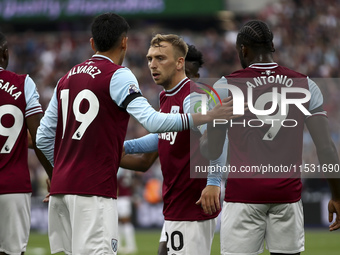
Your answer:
<point x="14" y="174"/>
<point x="259" y="144"/>
<point x="90" y="131"/>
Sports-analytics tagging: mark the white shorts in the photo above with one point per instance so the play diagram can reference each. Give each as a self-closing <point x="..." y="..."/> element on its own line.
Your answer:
<point x="163" y="235"/>
<point x="81" y="225"/>
<point x="189" y="237"/>
<point x="15" y="222"/>
<point x="244" y="228"/>
<point x="124" y="206"/>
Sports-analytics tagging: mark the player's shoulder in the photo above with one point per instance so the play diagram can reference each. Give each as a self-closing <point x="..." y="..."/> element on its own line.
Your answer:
<point x="197" y="87"/>
<point x="278" y="69"/>
<point x="13" y="75"/>
<point x="237" y="73"/>
<point x="123" y="74"/>
<point x="9" y="79"/>
<point x="124" y="69"/>
<point x="289" y="72"/>
<point x="105" y="63"/>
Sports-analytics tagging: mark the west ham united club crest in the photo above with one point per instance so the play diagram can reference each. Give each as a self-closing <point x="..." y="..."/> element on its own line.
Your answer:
<point x="174" y="109"/>
<point x="268" y="72"/>
<point x="114" y="244"/>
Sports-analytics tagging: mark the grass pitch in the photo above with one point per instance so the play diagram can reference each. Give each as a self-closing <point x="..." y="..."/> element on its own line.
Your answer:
<point x="317" y="242"/>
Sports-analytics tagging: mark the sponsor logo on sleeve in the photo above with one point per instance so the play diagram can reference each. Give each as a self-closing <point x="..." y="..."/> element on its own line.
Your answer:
<point x="133" y="89"/>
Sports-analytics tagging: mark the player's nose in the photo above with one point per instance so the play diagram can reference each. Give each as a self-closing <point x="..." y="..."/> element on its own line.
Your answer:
<point x="152" y="64"/>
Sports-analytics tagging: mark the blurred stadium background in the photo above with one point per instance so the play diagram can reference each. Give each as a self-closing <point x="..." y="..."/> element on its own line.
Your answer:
<point x="47" y="37"/>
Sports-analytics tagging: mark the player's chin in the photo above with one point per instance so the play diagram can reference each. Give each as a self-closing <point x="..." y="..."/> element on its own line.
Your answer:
<point x="157" y="80"/>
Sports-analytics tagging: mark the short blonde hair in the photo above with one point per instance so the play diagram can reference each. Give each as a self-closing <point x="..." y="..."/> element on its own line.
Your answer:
<point x="176" y="41"/>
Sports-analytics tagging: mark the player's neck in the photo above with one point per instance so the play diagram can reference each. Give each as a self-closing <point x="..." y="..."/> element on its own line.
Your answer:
<point x="113" y="55"/>
<point x="262" y="58"/>
<point x="174" y="82"/>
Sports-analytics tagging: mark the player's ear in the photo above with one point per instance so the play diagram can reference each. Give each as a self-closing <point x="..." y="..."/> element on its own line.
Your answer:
<point x="180" y="63"/>
<point x="92" y="44"/>
<point x="124" y="42"/>
<point x="244" y="50"/>
<point x="6" y="54"/>
<point x="273" y="49"/>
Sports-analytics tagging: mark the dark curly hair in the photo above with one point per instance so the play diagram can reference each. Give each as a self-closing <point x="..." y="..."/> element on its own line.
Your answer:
<point x="194" y="56"/>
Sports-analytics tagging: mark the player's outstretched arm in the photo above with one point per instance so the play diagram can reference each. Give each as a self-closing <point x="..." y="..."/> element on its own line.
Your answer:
<point x="139" y="154"/>
<point x="328" y="157"/>
<point x="33" y="122"/>
<point x="138" y="162"/>
<point x="157" y="122"/>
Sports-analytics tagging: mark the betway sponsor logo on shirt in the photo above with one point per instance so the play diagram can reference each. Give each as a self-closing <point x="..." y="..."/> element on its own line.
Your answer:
<point x="168" y="136"/>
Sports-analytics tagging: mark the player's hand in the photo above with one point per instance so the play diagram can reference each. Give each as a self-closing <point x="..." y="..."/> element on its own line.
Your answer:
<point x="334" y="207"/>
<point x="225" y="111"/>
<point x="210" y="199"/>
<point x="47" y="198"/>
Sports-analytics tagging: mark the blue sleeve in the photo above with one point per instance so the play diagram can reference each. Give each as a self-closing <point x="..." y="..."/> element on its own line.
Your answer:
<point x="214" y="178"/>
<point x="47" y="129"/>
<point x="316" y="95"/>
<point x="32" y="98"/>
<point x="193" y="104"/>
<point x="221" y="90"/>
<point x="123" y="83"/>
<point x="145" y="144"/>
<point x="156" y="122"/>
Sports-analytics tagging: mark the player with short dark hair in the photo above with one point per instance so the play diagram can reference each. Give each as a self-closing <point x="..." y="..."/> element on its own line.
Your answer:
<point x="102" y="31"/>
<point x="19" y="110"/>
<point x="82" y="133"/>
<point x="185" y="219"/>
<point x="193" y="62"/>
<point x="264" y="205"/>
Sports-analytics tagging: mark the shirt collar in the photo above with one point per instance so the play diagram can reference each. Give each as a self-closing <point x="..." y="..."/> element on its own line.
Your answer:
<point x="264" y="65"/>
<point x="177" y="88"/>
<point x="101" y="56"/>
